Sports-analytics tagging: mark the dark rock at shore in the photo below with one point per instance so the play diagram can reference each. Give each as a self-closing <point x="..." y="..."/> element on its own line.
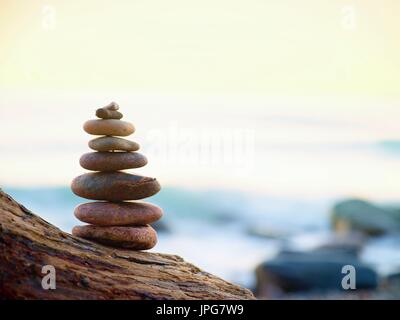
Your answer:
<point x="318" y="270"/>
<point x="363" y="216"/>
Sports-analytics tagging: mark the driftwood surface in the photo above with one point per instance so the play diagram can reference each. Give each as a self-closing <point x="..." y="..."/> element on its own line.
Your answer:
<point x="86" y="270"/>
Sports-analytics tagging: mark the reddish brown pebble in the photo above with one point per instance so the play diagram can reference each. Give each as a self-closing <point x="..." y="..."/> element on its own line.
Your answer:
<point x="114" y="186"/>
<point x="118" y="213"/>
<point x="136" y="238"/>
<point x="109" y="127"/>
<point x="112" y="161"/>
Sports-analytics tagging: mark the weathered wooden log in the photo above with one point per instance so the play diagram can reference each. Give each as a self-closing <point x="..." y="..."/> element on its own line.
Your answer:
<point x="86" y="270"/>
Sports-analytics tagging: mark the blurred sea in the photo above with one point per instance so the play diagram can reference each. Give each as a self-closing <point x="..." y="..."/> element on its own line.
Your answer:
<point x="226" y="233"/>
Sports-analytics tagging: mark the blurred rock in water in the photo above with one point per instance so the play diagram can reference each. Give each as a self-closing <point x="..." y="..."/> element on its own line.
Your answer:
<point x="265" y="232"/>
<point x="351" y="243"/>
<point x="318" y="271"/>
<point x="360" y="215"/>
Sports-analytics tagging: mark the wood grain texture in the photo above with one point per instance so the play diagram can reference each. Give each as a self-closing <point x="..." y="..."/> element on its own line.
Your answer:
<point x="86" y="270"/>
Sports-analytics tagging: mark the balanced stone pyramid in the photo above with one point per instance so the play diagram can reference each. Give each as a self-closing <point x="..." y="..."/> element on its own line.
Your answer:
<point x="115" y="220"/>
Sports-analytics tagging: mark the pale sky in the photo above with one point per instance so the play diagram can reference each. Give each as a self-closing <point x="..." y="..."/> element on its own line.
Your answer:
<point x="267" y="47"/>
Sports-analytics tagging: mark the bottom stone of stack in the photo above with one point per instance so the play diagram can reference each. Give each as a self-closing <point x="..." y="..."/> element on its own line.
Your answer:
<point x="129" y="237"/>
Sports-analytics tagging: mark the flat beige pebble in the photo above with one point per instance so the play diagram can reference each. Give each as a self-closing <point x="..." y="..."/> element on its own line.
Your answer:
<point x="136" y="238"/>
<point x="109" y="127"/>
<point x="118" y="213"/>
<point x="113" y="144"/>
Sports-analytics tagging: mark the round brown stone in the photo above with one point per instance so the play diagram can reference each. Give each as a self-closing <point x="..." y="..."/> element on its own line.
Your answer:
<point x="112" y="161"/>
<point x="136" y="238"/>
<point x="114" y="186"/>
<point x="118" y="213"/>
<point x="113" y="144"/>
<point x="109" y="127"/>
<point x="108" y="114"/>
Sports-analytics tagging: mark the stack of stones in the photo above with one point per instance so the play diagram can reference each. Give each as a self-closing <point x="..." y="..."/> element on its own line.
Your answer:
<point x="114" y="221"/>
